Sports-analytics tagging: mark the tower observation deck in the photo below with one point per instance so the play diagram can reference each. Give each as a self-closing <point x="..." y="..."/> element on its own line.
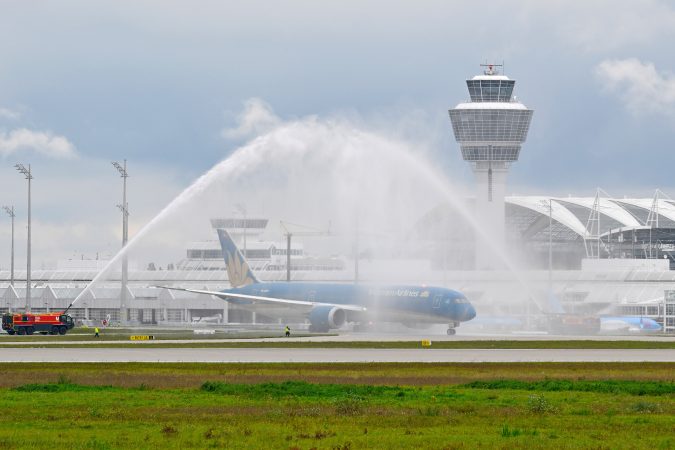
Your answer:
<point x="490" y="130"/>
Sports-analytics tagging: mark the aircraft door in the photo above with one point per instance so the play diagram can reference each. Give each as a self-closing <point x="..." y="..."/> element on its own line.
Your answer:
<point x="311" y="296"/>
<point x="437" y="301"/>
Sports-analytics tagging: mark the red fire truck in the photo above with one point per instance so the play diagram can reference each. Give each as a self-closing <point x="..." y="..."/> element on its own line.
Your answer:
<point x="27" y="323"/>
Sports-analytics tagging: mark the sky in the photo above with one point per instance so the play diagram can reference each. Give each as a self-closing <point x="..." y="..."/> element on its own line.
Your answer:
<point x="163" y="84"/>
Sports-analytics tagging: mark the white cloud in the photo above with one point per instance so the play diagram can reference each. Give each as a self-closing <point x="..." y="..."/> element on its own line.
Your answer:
<point x="9" y="114"/>
<point x="256" y="118"/>
<point x="640" y="86"/>
<point x="596" y="26"/>
<point x="39" y="141"/>
<point x="615" y="24"/>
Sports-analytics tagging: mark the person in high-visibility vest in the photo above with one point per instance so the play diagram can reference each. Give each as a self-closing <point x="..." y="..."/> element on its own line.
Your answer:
<point x="288" y="331"/>
<point x="96" y="332"/>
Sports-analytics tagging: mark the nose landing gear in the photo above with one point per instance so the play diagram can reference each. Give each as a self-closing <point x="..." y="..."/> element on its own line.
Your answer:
<point x="451" y="328"/>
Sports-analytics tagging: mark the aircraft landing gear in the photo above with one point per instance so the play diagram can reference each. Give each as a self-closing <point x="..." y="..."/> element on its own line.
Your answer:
<point x="451" y="331"/>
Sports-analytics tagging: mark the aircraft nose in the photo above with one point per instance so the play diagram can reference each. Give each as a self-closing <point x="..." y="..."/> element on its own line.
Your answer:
<point x="469" y="312"/>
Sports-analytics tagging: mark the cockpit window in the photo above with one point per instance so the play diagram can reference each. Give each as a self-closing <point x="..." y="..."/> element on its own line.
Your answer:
<point x="461" y="300"/>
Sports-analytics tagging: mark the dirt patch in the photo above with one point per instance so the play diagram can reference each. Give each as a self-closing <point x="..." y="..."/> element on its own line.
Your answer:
<point x="413" y="374"/>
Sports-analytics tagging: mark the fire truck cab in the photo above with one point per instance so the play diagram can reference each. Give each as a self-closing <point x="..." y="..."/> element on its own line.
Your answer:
<point x="27" y="323"/>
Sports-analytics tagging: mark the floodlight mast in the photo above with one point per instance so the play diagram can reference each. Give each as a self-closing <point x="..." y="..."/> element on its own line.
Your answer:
<point x="29" y="176"/>
<point x="289" y="235"/>
<point x="124" y="207"/>
<point x="10" y="212"/>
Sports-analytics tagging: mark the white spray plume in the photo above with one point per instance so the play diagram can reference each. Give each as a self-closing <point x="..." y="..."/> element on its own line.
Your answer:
<point x="256" y="118"/>
<point x="310" y="171"/>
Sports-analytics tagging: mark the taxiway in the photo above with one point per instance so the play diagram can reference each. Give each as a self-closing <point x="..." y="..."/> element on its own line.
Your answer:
<point x="326" y="355"/>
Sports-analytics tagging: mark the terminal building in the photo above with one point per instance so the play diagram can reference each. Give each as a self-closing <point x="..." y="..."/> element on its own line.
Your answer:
<point x="262" y="255"/>
<point x="608" y="256"/>
<point x="594" y="228"/>
<point x="568" y="230"/>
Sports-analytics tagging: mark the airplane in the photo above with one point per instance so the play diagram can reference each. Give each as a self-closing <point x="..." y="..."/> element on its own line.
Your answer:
<point x="628" y="324"/>
<point x="218" y="318"/>
<point x="330" y="305"/>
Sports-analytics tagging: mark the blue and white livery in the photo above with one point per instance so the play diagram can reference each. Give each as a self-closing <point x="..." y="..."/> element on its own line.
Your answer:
<point x="331" y="305"/>
<point x="628" y="324"/>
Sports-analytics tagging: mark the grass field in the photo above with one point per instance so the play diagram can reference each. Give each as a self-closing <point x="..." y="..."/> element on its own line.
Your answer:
<point x="505" y="405"/>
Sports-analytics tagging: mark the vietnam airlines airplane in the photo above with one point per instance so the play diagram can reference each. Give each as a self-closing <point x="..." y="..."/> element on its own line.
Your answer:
<point x="331" y="305"/>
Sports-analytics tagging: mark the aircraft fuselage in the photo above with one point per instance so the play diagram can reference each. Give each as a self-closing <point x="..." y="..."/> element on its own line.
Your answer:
<point x="385" y="302"/>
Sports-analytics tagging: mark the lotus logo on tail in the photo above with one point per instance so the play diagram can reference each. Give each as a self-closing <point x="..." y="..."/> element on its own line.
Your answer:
<point x="237" y="271"/>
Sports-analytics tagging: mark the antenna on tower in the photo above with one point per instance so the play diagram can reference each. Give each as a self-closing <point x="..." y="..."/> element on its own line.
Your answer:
<point x="491" y="69"/>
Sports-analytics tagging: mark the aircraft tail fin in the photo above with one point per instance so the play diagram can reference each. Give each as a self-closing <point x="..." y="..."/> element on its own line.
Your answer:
<point x="238" y="270"/>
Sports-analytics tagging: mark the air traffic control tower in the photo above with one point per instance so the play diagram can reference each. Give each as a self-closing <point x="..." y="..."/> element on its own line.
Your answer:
<point x="490" y="130"/>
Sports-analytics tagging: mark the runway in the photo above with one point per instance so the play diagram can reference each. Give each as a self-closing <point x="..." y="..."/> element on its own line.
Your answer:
<point x="328" y="355"/>
<point x="342" y="337"/>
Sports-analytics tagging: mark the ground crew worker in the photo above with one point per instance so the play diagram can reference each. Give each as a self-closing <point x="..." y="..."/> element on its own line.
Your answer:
<point x="288" y="331"/>
<point x="96" y="332"/>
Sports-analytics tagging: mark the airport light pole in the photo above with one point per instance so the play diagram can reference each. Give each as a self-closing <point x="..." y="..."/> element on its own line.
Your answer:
<point x="10" y="212"/>
<point x="29" y="176"/>
<point x="289" y="235"/>
<point x="124" y="207"/>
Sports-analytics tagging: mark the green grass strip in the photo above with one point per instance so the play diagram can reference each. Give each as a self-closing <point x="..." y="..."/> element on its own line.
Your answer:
<point x="601" y="386"/>
<point x="300" y="389"/>
<point x="61" y="387"/>
<point x="303" y="389"/>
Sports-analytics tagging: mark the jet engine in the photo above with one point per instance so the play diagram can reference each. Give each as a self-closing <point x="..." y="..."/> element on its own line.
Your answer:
<point x="323" y="318"/>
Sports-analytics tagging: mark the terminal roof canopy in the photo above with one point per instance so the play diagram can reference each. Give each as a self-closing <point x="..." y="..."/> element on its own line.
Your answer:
<point x="573" y="212"/>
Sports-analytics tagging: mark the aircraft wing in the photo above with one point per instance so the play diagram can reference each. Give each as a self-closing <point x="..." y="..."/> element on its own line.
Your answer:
<point x="271" y="300"/>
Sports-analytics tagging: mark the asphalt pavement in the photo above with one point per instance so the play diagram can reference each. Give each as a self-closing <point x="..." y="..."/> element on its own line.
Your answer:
<point x="325" y="355"/>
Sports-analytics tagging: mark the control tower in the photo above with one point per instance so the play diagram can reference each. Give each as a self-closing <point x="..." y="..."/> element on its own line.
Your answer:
<point x="490" y="129"/>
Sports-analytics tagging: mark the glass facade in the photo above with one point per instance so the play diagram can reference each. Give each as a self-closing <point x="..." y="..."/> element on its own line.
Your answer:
<point x="204" y="254"/>
<point x="490" y="90"/>
<point x="485" y="125"/>
<point x="494" y="132"/>
<point x="490" y="153"/>
<point x="175" y="315"/>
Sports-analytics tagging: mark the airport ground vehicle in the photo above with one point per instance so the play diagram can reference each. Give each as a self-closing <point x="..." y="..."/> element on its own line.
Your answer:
<point x="27" y="323"/>
<point x="574" y="324"/>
